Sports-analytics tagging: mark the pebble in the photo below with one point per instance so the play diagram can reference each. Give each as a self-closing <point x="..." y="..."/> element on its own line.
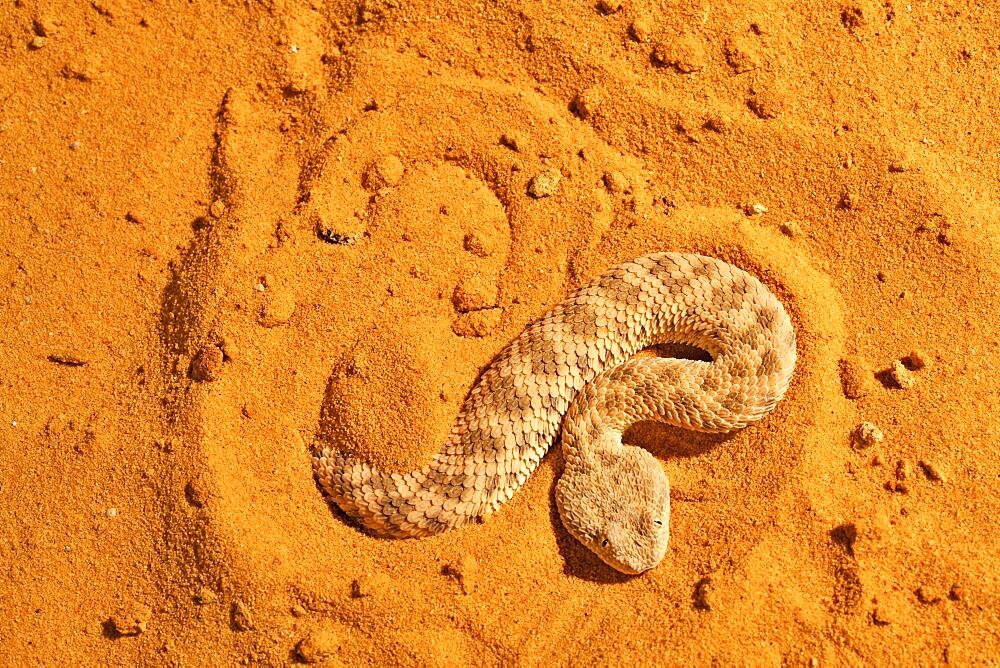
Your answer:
<point x="207" y="364"/>
<point x="609" y="6"/>
<point x="278" y="307"/>
<point x="686" y="54"/>
<point x="867" y="434"/>
<point x="703" y="594"/>
<point x="131" y="619"/>
<point x="298" y="611"/>
<point x="477" y="323"/>
<point x="370" y="584"/>
<point x="901" y="376"/>
<point x="68" y="358"/>
<point x="897" y="486"/>
<point x="478" y="245"/>
<point x="465" y="571"/>
<point x="587" y="102"/>
<point x="37" y="42"/>
<point x="46" y="26"/>
<point x="641" y="29"/>
<point x="111" y="512"/>
<point x="195" y="493"/>
<point x="790" y="228"/>
<point x="720" y="123"/>
<point x="849" y="200"/>
<point x="956" y="593"/>
<point x="932" y="471"/>
<point x="766" y="104"/>
<point x="616" y="182"/>
<point x="74" y="145"/>
<point x="756" y="209"/>
<point x="741" y="54"/>
<point x="474" y="293"/>
<point x="545" y="183"/>
<point x="217" y="209"/>
<point x="240" y="615"/>
<point x="903" y="470"/>
<point x="927" y="595"/>
<point x="205" y="596"/>
<point x="918" y="360"/>
<point x="513" y="140"/>
<point x="385" y="172"/>
<point x="319" y="645"/>
<point x="855" y="379"/>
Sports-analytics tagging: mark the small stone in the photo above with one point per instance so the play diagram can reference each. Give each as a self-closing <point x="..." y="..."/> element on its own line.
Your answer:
<point x="703" y="594"/>
<point x="68" y="358"/>
<point x="111" y="512"/>
<point x="131" y="619"/>
<point x="897" y="487"/>
<point x="855" y="379"/>
<point x="685" y="53"/>
<point x="370" y="584"/>
<point x="756" y="209"/>
<point x="956" y="593"/>
<point x="74" y="145"/>
<point x="616" y="182"/>
<point x="641" y="29"/>
<point x="478" y="245"/>
<point x="608" y="6"/>
<point x="195" y="493"/>
<point x="901" y="376"/>
<point x="741" y="54"/>
<point x="240" y="616"/>
<point x="217" y="209"/>
<point x="298" y="611"/>
<point x="918" y="360"/>
<point x="83" y="67"/>
<point x="385" y="172"/>
<point x="278" y="307"/>
<point x="477" y="323"/>
<point x="790" y="228"/>
<point x="880" y="617"/>
<point x="720" y="123"/>
<point x="903" y="470"/>
<point x="205" y="596"/>
<point x="545" y="183"/>
<point x="37" y="42"/>
<point x="319" y="645"/>
<point x="932" y="471"/>
<point x="877" y="460"/>
<point x="513" y="140"/>
<point x="766" y="104"/>
<point x="207" y="364"/>
<point x="587" y="102"/>
<point x="45" y="26"/>
<point x="465" y="571"/>
<point x="849" y="200"/>
<point x="927" y="595"/>
<point x="867" y="434"/>
<point x="474" y="293"/>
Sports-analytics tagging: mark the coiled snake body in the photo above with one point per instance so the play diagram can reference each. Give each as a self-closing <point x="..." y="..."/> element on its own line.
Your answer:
<point x="572" y="368"/>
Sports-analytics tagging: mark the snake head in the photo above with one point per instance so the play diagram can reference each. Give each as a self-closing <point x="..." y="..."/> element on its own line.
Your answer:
<point x="618" y="505"/>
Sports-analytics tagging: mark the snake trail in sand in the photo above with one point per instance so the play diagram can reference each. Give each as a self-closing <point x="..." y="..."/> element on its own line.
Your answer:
<point x="573" y="369"/>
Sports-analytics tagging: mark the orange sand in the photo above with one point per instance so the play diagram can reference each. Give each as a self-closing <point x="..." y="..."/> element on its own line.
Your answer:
<point x="175" y="334"/>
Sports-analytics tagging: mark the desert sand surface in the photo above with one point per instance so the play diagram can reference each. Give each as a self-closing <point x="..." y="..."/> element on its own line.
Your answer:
<point x="233" y="231"/>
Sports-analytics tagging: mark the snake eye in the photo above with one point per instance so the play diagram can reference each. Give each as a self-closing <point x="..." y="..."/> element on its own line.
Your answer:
<point x="658" y="523"/>
<point x="604" y="543"/>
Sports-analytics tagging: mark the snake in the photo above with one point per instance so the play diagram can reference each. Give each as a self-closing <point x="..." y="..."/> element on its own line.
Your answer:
<point x="574" y="375"/>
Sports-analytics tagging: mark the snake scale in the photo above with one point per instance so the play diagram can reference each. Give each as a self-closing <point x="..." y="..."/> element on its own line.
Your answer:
<point x="572" y="370"/>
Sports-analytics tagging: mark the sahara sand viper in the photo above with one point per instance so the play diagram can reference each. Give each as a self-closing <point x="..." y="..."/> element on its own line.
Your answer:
<point x="573" y="367"/>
